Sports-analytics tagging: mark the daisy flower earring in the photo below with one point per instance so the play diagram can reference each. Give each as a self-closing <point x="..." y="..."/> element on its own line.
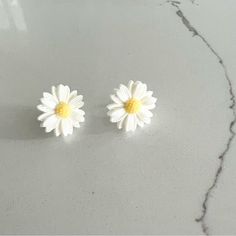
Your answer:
<point x="131" y="106"/>
<point x="61" y="110"/>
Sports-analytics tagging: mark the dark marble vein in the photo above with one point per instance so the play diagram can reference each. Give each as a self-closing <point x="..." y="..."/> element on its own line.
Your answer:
<point x="221" y="157"/>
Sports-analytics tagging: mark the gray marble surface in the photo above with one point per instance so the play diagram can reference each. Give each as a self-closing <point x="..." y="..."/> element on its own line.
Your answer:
<point x="176" y="176"/>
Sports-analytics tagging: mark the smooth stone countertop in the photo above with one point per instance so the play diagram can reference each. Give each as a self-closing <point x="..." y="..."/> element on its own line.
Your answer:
<point x="175" y="176"/>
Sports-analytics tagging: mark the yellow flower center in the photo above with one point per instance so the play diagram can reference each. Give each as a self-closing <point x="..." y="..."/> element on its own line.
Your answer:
<point x="63" y="110"/>
<point x="133" y="106"/>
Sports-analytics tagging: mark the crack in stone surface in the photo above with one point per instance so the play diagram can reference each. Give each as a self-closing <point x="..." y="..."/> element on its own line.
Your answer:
<point x="188" y="25"/>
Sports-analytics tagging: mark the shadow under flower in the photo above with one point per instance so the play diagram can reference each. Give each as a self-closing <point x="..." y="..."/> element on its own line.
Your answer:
<point x="20" y="123"/>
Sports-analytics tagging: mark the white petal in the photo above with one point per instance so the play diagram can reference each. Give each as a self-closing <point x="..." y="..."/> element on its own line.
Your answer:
<point x="66" y="126"/>
<point x="53" y="126"/>
<point x="50" y="96"/>
<point x="142" y="117"/>
<point x="50" y="103"/>
<point x="150" y="107"/>
<point x="50" y="123"/>
<point x="68" y="92"/>
<point x="57" y="129"/>
<point x="72" y="95"/>
<point x="134" y="87"/>
<point x="114" y="105"/>
<point x="116" y="111"/>
<point x="50" y="120"/>
<point x="44" y="108"/>
<point x="78" y="115"/>
<point x="140" y="122"/>
<point x="54" y="93"/>
<point x="70" y="126"/>
<point x="128" y="123"/>
<point x="76" y="124"/>
<point x="147" y="120"/>
<point x="63" y="93"/>
<point x="139" y="90"/>
<point x="130" y="86"/>
<point x="149" y="94"/>
<point x="121" y="122"/>
<point x="115" y="99"/>
<point x="44" y="116"/>
<point x="116" y="114"/>
<point x="149" y="102"/>
<point x="122" y="93"/>
<point x="77" y="101"/>
<point x="126" y="91"/>
<point x="146" y="112"/>
<point x="118" y="118"/>
<point x="78" y="112"/>
<point x="134" y="122"/>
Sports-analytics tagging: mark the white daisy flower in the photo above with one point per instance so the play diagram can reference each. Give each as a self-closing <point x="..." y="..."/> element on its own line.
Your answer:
<point x="132" y="105"/>
<point x="61" y="110"/>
